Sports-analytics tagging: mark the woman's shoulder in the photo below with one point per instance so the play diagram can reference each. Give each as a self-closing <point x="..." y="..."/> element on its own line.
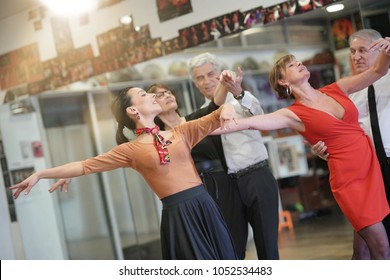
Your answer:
<point x="331" y="88"/>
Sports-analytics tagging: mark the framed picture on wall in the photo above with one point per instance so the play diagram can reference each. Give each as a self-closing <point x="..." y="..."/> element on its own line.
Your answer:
<point x="254" y="16"/>
<point x="341" y="29"/>
<point x="286" y="156"/>
<point x="20" y="174"/>
<point x="171" y="46"/>
<point x="291" y="156"/>
<point x="62" y="35"/>
<point x="343" y="61"/>
<point x="169" y="9"/>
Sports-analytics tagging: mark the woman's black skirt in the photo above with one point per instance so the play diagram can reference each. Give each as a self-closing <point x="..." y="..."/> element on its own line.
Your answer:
<point x="192" y="228"/>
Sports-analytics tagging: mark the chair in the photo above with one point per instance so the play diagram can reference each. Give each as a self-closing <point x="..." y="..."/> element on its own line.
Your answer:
<point x="285" y="221"/>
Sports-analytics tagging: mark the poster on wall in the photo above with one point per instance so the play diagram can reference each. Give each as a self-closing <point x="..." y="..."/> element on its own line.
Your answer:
<point x="254" y="16"/>
<point x="62" y="36"/>
<point x="21" y="174"/>
<point x="169" y="9"/>
<point x="200" y="33"/>
<point x="343" y="57"/>
<point x="17" y="176"/>
<point x="26" y="150"/>
<point x="154" y="48"/>
<point x="37" y="149"/>
<point x="341" y="28"/>
<point x="15" y="66"/>
<point x="291" y="154"/>
<point x="229" y="23"/>
<point x="171" y="46"/>
<point x="111" y="49"/>
<point x="77" y="64"/>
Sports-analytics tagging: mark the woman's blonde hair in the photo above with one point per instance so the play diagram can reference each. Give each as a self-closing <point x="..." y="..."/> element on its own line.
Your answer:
<point x="276" y="74"/>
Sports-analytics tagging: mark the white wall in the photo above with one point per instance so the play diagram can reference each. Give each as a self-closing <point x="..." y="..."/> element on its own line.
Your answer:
<point x="17" y="31"/>
<point x="7" y="251"/>
<point x="37" y="214"/>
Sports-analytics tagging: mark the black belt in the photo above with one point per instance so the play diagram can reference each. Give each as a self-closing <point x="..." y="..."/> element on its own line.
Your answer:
<point x="209" y="166"/>
<point x="249" y="169"/>
<point x="385" y="162"/>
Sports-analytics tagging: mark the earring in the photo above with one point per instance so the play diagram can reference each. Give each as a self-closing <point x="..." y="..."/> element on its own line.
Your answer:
<point x="137" y="116"/>
<point x="288" y="90"/>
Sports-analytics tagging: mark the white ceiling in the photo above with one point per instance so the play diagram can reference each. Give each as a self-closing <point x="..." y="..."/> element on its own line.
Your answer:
<point x="11" y="7"/>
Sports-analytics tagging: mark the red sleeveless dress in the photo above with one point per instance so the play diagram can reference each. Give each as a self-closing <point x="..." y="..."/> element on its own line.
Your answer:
<point x="354" y="171"/>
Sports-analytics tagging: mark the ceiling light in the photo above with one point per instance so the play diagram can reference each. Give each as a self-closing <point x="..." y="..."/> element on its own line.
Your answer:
<point x="70" y="7"/>
<point x="125" y="20"/>
<point x="335" y="8"/>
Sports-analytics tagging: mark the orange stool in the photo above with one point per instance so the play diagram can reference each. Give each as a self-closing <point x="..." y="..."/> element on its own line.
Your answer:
<point x="285" y="220"/>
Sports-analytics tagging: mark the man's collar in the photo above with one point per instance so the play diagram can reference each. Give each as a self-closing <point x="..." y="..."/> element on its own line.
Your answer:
<point x="206" y="102"/>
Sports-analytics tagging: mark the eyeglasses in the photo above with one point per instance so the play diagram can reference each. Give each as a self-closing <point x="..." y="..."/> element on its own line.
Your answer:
<point x="161" y="94"/>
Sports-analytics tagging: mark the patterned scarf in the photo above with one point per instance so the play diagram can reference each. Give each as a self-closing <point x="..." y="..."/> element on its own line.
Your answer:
<point x="159" y="142"/>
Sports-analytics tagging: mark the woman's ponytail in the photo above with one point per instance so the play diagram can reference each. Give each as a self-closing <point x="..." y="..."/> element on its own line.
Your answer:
<point x="120" y="136"/>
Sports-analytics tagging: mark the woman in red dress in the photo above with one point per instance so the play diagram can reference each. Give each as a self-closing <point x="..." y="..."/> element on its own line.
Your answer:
<point x="328" y="114"/>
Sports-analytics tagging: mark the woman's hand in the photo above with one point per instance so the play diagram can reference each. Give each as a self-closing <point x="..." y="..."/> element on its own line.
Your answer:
<point x="227" y="117"/>
<point x="26" y="185"/>
<point x="232" y="81"/>
<point x="319" y="149"/>
<point x="31" y="181"/>
<point x="63" y="184"/>
<point x="382" y="44"/>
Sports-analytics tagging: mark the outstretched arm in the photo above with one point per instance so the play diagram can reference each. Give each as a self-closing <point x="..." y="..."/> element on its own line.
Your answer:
<point x="282" y="118"/>
<point x="381" y="66"/>
<point x="68" y="170"/>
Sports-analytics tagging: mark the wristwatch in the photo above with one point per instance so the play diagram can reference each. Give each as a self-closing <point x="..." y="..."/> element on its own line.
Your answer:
<point x="240" y="96"/>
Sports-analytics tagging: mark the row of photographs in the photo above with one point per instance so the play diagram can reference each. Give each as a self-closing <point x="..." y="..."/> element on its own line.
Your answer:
<point x="125" y="46"/>
<point x="237" y="21"/>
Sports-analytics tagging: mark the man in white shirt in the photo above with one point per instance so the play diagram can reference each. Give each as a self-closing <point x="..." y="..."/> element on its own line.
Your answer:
<point x="247" y="164"/>
<point x="362" y="59"/>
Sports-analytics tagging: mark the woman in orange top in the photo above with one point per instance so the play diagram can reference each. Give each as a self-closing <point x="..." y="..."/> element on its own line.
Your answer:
<point x="192" y="226"/>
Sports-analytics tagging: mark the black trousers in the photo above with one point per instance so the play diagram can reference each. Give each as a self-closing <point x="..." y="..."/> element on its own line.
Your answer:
<point x="259" y="194"/>
<point x="223" y="189"/>
<point x="251" y="198"/>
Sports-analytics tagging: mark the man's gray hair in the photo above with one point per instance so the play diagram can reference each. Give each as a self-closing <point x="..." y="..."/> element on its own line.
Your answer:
<point x="202" y="59"/>
<point x="369" y="35"/>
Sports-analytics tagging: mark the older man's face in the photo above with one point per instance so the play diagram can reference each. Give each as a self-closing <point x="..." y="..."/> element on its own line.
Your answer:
<point x="205" y="79"/>
<point x="362" y="59"/>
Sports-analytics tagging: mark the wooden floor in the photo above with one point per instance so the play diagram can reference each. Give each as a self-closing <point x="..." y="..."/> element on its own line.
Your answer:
<point x="323" y="237"/>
